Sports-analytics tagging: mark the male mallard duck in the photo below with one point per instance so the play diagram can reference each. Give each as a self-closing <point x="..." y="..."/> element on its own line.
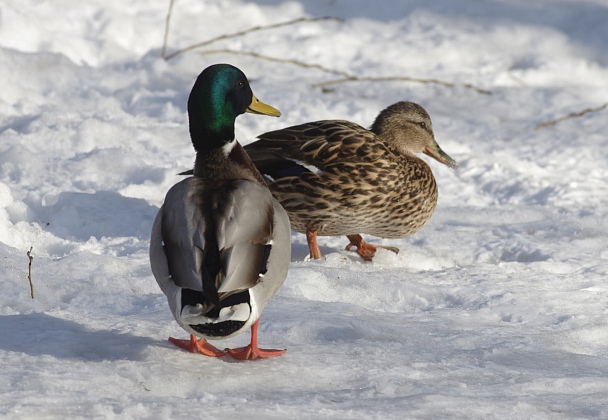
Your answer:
<point x="220" y="244"/>
<point x="338" y="178"/>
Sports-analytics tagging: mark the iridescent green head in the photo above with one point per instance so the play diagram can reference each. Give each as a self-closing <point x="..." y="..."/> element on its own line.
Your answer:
<point x="220" y="94"/>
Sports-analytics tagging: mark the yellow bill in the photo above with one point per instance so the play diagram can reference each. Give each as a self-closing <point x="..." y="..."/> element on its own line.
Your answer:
<point x="258" y="107"/>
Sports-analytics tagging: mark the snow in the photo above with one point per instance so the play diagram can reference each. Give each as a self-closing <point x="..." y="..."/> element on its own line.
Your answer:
<point x="497" y="308"/>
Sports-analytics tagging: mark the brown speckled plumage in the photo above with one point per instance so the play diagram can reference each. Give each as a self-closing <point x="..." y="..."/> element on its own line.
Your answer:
<point x="338" y="178"/>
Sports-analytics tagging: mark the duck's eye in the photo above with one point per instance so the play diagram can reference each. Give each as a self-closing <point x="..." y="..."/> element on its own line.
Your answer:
<point x="240" y="85"/>
<point x="422" y="125"/>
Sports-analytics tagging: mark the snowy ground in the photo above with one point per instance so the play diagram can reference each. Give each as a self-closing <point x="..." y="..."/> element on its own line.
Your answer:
<point x="497" y="308"/>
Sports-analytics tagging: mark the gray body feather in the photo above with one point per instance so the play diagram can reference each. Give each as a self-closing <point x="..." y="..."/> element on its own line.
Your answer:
<point x="220" y="241"/>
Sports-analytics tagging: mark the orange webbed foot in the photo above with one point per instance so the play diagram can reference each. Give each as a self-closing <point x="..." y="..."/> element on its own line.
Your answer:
<point x="252" y="351"/>
<point x="367" y="251"/>
<point x="249" y="353"/>
<point x="200" y="346"/>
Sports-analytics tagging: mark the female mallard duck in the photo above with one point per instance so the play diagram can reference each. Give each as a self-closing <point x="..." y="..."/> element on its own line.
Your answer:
<point x="338" y="178"/>
<point x="220" y="244"/>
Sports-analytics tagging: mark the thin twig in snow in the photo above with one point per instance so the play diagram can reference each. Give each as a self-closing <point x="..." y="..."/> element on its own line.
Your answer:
<point x="399" y="78"/>
<point x="164" y="51"/>
<point x="245" y="32"/>
<point x="572" y="115"/>
<point x="29" y="276"/>
<point x="278" y="60"/>
<point x="347" y="77"/>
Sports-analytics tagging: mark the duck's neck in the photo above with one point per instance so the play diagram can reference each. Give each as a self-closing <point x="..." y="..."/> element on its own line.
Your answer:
<point x="205" y="138"/>
<point x="227" y="162"/>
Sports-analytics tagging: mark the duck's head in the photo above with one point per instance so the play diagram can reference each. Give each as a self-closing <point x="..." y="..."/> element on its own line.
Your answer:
<point x="407" y="127"/>
<point x="220" y="94"/>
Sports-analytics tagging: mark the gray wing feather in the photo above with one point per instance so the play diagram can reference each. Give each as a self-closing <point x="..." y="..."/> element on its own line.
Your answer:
<point x="182" y="232"/>
<point x="242" y="214"/>
<point x="245" y="230"/>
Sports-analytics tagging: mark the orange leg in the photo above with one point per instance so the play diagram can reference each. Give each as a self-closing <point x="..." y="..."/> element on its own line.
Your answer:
<point x="311" y="237"/>
<point x="367" y="251"/>
<point x="252" y="351"/>
<point x="195" y="345"/>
